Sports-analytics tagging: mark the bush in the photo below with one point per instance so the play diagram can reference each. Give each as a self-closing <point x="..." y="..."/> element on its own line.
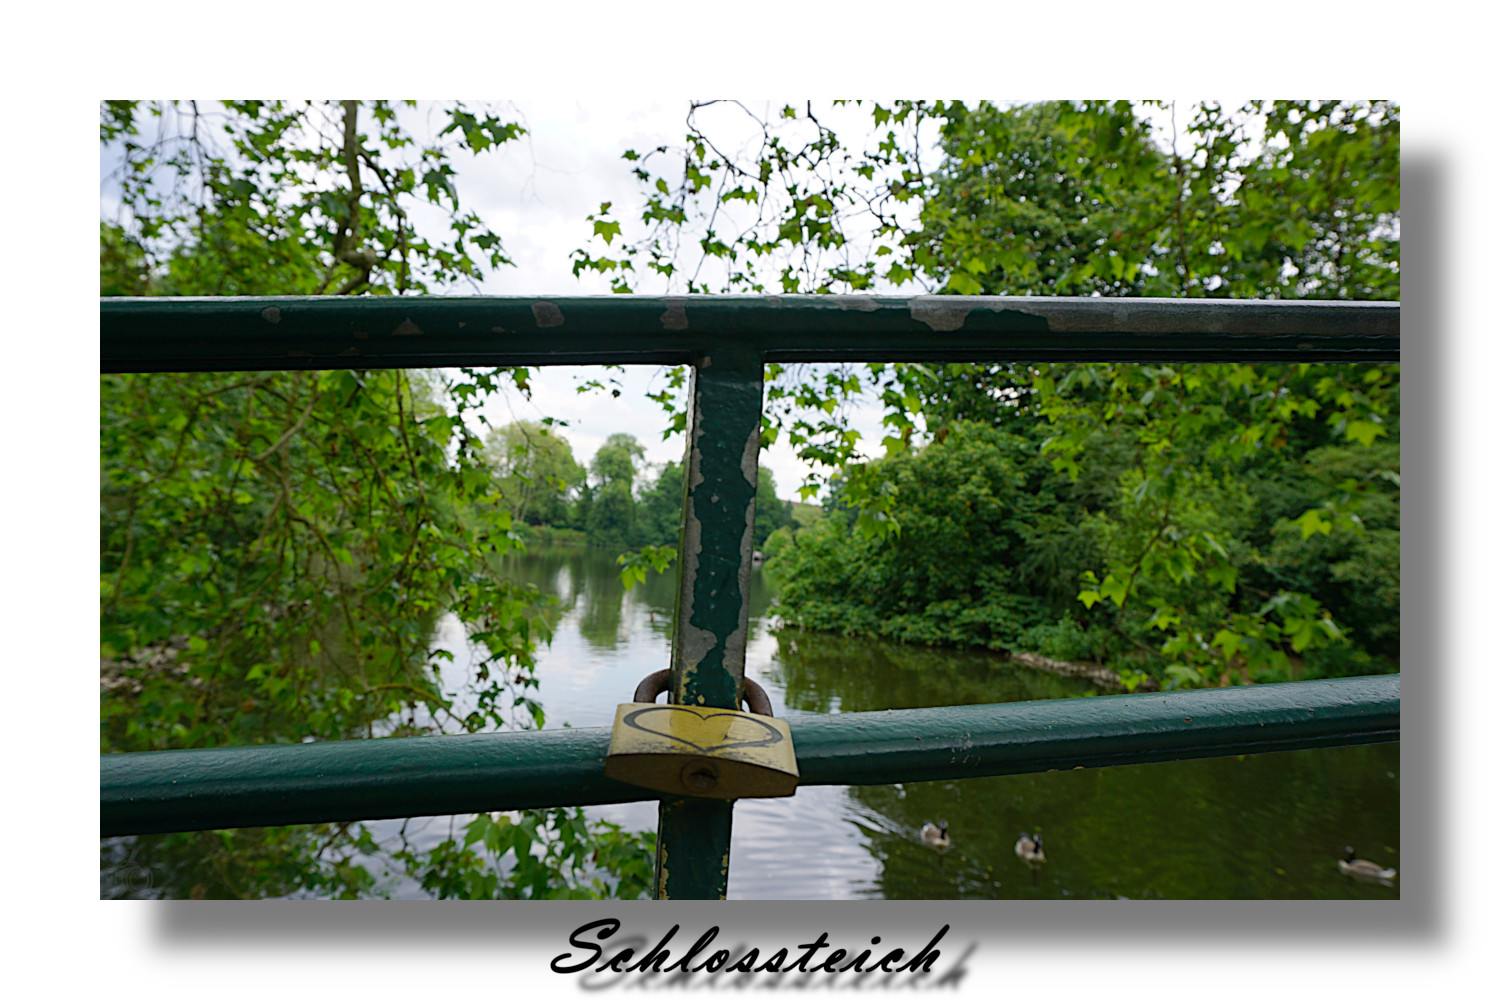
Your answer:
<point x="1065" y="639"/>
<point x="956" y="574"/>
<point x="1339" y="661"/>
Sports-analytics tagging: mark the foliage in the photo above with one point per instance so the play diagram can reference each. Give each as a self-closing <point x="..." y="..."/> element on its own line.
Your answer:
<point x="658" y="509"/>
<point x="1179" y="537"/>
<point x="299" y="197"/>
<point x="302" y="530"/>
<point x="1355" y="574"/>
<point x="771" y="512"/>
<point x="635" y="565"/>
<point x="1206" y="577"/>
<point x="953" y="574"/>
<point x="552" y="855"/>
<point x="1286" y="198"/>
<point x="611" y="515"/>
<point x="617" y="506"/>
<point x="1026" y="198"/>
<point x="615" y="461"/>
<point x="1274" y="199"/>
<point x="276" y="547"/>
<point x="1066" y="639"/>
<point x="536" y="470"/>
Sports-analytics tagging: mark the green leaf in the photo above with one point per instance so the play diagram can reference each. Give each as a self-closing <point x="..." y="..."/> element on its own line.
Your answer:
<point x="608" y="230"/>
<point x="1228" y="642"/>
<point x="1313" y="522"/>
<point x="964" y="284"/>
<point x="1363" y="431"/>
<point x="1184" y="675"/>
<point x="1114" y="589"/>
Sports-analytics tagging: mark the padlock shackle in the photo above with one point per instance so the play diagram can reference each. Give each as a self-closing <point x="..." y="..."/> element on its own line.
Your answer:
<point x="755" y="697"/>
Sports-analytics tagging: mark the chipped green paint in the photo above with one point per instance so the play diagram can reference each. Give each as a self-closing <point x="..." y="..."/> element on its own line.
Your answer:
<point x="718" y="516"/>
<point x="345" y="780"/>
<point x="726" y="339"/>
<point x="713" y="600"/>
<point x="325" y="332"/>
<point x="692" y="849"/>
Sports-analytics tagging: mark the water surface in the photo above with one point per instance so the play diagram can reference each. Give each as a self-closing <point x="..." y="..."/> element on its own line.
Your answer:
<point x="1261" y="826"/>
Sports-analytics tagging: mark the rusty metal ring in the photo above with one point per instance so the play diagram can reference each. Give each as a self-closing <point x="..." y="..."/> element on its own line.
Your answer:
<point x="755" y="698"/>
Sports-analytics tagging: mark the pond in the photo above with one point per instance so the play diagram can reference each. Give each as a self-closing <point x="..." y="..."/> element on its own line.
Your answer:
<point x="1253" y="827"/>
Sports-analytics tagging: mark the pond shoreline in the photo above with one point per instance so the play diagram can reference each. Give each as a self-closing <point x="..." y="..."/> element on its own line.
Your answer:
<point x="1100" y="676"/>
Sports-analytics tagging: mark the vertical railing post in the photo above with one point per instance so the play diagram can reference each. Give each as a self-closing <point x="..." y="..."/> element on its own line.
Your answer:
<point x="713" y="600"/>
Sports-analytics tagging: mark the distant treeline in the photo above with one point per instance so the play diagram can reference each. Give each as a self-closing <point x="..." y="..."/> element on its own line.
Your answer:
<point x="616" y="501"/>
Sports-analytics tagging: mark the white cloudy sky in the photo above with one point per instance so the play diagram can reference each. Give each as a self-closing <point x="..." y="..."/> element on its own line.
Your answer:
<point x="537" y="193"/>
<point x="537" y="197"/>
<point x="1082" y="48"/>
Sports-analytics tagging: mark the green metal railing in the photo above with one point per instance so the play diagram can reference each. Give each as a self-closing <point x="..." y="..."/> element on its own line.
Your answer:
<point x="726" y="340"/>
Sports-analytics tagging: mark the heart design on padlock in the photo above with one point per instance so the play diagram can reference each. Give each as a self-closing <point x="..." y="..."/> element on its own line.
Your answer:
<point x="634" y="721"/>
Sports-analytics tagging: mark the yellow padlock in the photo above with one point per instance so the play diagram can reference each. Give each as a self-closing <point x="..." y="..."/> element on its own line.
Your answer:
<point x="691" y="750"/>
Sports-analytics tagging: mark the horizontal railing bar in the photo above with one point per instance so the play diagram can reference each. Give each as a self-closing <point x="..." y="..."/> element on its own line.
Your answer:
<point x="327" y="332"/>
<point x="386" y="778"/>
<point x="868" y="748"/>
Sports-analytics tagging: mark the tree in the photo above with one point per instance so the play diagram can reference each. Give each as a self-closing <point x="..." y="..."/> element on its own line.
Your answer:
<point x="1280" y="198"/>
<point x="658" y="512"/>
<point x="611" y="517"/>
<point x="615" y="461"/>
<point x="1026" y="198"/>
<point x="956" y="574"/>
<point x="231" y="500"/>
<point x="770" y="512"/>
<point x="275" y="547"/>
<point x="1311" y="212"/>
<point x="536" y="470"/>
<point x="1287" y="199"/>
<point x="299" y="197"/>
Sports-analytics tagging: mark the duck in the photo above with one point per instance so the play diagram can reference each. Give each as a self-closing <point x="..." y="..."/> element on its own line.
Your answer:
<point x="936" y="835"/>
<point x="1367" y="871"/>
<point x="1029" y="849"/>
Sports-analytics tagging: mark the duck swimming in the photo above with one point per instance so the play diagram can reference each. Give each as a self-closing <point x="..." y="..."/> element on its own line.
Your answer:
<point x="936" y="836"/>
<point x="1029" y="849"/>
<point x="1365" y="871"/>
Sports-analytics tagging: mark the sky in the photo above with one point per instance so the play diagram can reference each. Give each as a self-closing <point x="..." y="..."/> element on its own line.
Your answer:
<point x="536" y="194"/>
<point x="1439" y="939"/>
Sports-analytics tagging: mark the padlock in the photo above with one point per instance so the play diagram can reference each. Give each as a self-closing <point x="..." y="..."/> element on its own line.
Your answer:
<point x="692" y="750"/>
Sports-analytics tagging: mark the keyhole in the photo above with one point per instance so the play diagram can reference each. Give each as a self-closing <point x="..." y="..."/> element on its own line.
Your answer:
<point x="700" y="777"/>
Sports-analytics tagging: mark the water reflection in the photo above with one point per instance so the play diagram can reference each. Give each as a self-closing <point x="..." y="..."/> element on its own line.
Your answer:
<point x="1259" y="826"/>
<point x="826" y="673"/>
<point x="1265" y="826"/>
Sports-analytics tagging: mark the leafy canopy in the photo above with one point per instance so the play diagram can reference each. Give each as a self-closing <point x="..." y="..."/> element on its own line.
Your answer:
<point x="1295" y="199"/>
<point x="277" y="547"/>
